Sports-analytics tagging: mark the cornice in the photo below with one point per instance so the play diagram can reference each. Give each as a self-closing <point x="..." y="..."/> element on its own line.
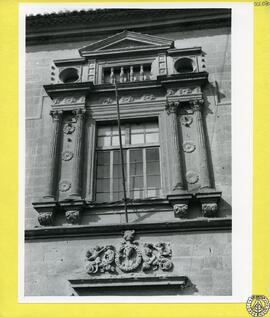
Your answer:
<point x="76" y="26"/>
<point x="57" y="232"/>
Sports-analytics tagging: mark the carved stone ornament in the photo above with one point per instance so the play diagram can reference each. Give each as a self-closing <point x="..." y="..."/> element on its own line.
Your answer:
<point x="73" y="216"/>
<point x="64" y="186"/>
<point x="67" y="155"/>
<point x="209" y="209"/>
<point x="68" y="100"/>
<point x="107" y="101"/>
<point x="69" y="128"/>
<point x="186" y="120"/>
<point x="184" y="91"/>
<point x="46" y="218"/>
<point x="192" y="177"/>
<point x="129" y="257"/>
<point x="196" y="104"/>
<point x="148" y="97"/>
<point x="189" y="147"/>
<point x="171" y="92"/>
<point x="171" y="106"/>
<point x="180" y="210"/>
<point x="126" y="99"/>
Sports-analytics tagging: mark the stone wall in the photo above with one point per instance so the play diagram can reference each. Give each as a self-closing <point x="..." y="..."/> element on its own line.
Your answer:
<point x="203" y="257"/>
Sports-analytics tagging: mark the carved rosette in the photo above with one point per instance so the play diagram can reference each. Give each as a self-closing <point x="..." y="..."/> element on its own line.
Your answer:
<point x="180" y="210"/>
<point x="129" y="257"/>
<point x="64" y="186"/>
<point x="209" y="209"/>
<point x="69" y="128"/>
<point x="46" y="218"/>
<point x="67" y="155"/>
<point x="73" y="216"/>
<point x="186" y="120"/>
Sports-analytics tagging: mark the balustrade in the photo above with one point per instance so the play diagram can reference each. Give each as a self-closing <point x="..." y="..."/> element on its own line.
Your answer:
<point x="125" y="74"/>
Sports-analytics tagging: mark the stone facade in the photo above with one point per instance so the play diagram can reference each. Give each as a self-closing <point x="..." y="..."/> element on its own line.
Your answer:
<point x="68" y="98"/>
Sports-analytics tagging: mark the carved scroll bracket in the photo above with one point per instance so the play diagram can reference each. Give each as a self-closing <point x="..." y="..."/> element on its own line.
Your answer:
<point x="209" y="203"/>
<point x="180" y="204"/>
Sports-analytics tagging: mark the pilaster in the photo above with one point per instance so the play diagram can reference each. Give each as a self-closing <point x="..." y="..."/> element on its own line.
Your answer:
<point x="77" y="158"/>
<point x="52" y="172"/>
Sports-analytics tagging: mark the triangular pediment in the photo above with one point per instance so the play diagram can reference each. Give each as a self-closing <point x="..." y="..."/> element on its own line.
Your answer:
<point x="125" y="41"/>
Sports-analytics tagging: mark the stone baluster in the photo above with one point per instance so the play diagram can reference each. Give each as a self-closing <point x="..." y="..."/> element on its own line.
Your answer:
<point x="122" y="75"/>
<point x="112" y="76"/>
<point x="78" y="142"/>
<point x="205" y="180"/>
<point x="131" y="74"/>
<point x="141" y="76"/>
<point x="52" y="172"/>
<point x="173" y="138"/>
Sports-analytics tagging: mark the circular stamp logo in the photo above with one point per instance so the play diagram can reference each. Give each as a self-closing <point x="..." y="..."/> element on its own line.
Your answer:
<point x="257" y="305"/>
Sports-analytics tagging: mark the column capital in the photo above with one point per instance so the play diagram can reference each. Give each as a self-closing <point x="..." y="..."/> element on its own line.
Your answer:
<point x="79" y="113"/>
<point x="196" y="104"/>
<point x="56" y="114"/>
<point x="172" y="106"/>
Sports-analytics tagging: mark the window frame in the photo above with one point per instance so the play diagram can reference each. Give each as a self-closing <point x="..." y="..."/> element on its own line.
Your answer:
<point x="128" y="147"/>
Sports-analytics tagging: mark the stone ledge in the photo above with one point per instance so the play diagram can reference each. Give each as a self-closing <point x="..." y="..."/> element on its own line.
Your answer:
<point x="58" y="232"/>
<point x="125" y="283"/>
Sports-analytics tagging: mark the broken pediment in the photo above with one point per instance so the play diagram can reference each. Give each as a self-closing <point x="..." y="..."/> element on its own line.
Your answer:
<point x="125" y="41"/>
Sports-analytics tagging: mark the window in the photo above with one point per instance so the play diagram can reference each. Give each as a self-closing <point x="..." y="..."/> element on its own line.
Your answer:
<point x="141" y="162"/>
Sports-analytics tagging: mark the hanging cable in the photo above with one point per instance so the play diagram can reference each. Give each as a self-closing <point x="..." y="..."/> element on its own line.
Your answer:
<point x="121" y="150"/>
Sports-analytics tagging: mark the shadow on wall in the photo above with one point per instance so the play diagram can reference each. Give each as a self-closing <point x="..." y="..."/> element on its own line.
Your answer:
<point x="146" y="290"/>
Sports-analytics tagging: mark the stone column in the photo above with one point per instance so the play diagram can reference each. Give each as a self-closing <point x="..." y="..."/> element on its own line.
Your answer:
<point x="205" y="180"/>
<point x="52" y="173"/>
<point x="173" y="139"/>
<point x="78" y="142"/>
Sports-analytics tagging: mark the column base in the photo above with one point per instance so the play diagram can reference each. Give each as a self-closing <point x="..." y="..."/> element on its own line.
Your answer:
<point x="209" y="199"/>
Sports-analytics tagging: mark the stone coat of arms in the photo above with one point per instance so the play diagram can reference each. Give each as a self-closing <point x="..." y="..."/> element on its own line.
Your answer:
<point x="129" y="257"/>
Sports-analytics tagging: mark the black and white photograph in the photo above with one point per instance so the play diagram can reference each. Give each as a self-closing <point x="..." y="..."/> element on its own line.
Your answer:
<point x="128" y="153"/>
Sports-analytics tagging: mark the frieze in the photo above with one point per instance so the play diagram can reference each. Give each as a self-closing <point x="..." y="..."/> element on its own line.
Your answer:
<point x="126" y="99"/>
<point x="68" y="100"/>
<point x="107" y="101"/>
<point x="183" y="91"/>
<point x="148" y="97"/>
<point x="129" y="257"/>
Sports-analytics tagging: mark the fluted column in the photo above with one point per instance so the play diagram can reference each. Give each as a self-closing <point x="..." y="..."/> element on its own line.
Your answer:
<point x="76" y="167"/>
<point x="173" y="139"/>
<point x="205" y="180"/>
<point x="50" y="191"/>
